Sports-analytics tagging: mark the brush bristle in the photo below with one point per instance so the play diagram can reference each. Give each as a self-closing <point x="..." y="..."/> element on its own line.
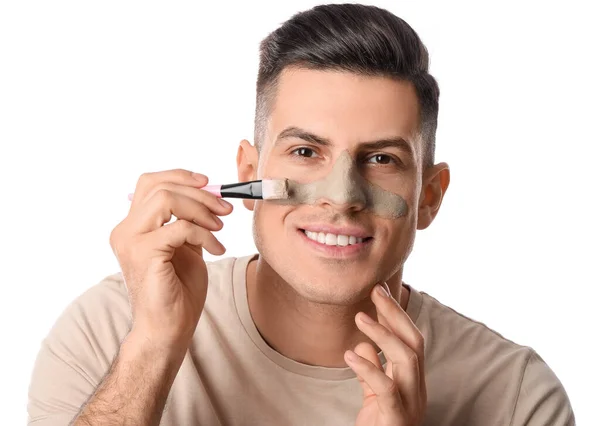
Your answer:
<point x="275" y="189"/>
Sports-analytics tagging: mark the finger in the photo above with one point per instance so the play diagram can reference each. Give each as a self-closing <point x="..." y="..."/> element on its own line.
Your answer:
<point x="368" y="352"/>
<point x="393" y="317"/>
<point x="164" y="204"/>
<point x="383" y="387"/>
<point x="402" y="362"/>
<point x="216" y="205"/>
<point x="174" y="235"/>
<point x="179" y="176"/>
<point x="196" y="249"/>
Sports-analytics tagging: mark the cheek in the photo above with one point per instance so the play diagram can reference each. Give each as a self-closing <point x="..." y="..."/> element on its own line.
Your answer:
<point x="269" y="220"/>
<point x="412" y="196"/>
<point x="401" y="241"/>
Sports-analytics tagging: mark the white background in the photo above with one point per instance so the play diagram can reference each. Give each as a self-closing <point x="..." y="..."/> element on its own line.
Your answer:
<point x="92" y="94"/>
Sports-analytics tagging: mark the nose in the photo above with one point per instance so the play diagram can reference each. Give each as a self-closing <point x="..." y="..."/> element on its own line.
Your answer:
<point x="343" y="188"/>
<point x="343" y="202"/>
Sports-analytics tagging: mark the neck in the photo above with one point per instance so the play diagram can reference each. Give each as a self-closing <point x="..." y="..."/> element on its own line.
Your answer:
<point x="307" y="332"/>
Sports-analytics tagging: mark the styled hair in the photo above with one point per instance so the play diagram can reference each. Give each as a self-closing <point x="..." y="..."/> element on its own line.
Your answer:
<point x="365" y="40"/>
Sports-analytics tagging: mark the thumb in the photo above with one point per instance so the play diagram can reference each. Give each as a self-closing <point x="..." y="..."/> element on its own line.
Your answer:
<point x="368" y="352"/>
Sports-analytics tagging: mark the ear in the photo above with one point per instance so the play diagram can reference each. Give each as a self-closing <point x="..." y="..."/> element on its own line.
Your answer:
<point x="435" y="183"/>
<point x="247" y="165"/>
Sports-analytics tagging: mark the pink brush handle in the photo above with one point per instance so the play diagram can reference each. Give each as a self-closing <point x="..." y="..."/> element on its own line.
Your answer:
<point x="213" y="189"/>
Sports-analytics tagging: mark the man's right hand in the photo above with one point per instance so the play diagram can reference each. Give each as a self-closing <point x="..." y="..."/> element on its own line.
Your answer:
<point x="162" y="262"/>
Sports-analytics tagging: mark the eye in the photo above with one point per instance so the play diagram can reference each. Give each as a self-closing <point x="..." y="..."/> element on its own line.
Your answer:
<point x="380" y="159"/>
<point x="304" y="152"/>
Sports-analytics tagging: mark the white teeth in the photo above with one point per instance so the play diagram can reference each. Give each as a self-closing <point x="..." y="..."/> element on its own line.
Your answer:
<point x="342" y="240"/>
<point x="333" y="239"/>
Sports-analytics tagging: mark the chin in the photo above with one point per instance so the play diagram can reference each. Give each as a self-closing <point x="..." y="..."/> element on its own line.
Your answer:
<point x="333" y="286"/>
<point x="327" y="286"/>
<point x="332" y="282"/>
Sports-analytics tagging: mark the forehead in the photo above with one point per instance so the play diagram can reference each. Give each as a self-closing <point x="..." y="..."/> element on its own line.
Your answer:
<point x="343" y="105"/>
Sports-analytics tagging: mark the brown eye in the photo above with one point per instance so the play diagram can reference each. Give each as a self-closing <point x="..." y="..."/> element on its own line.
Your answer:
<point x="380" y="159"/>
<point x="304" y="152"/>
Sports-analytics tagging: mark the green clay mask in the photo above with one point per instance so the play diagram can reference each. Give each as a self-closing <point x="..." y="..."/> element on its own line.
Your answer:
<point x="345" y="185"/>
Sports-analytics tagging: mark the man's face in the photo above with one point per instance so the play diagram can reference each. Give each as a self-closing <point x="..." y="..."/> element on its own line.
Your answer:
<point x="317" y="118"/>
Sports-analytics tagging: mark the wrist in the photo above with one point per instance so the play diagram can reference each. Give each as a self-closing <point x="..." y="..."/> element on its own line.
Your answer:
<point x="142" y="347"/>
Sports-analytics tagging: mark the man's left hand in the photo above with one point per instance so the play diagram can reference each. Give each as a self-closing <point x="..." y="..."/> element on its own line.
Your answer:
<point x="397" y="395"/>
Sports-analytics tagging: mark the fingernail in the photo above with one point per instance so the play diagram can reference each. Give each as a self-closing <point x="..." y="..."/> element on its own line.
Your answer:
<point x="218" y="221"/>
<point x="352" y="356"/>
<point x="381" y="291"/>
<point x="366" y="319"/>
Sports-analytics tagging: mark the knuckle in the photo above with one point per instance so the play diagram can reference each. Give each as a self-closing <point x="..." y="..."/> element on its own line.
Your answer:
<point x="145" y="178"/>
<point x="420" y="343"/>
<point x="184" y="226"/>
<point x="160" y="186"/>
<point x="113" y="238"/>
<point x="117" y="242"/>
<point x="163" y="196"/>
<point x="413" y="360"/>
<point x="182" y="172"/>
<point x="390" y="387"/>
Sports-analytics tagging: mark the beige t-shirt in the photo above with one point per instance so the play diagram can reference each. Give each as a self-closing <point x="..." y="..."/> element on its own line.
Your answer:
<point x="231" y="376"/>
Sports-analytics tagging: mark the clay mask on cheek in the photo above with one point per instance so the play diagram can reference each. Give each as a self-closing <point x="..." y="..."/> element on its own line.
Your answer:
<point x="345" y="185"/>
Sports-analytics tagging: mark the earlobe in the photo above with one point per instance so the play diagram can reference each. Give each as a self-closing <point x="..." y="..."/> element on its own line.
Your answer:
<point x="247" y="165"/>
<point x="435" y="183"/>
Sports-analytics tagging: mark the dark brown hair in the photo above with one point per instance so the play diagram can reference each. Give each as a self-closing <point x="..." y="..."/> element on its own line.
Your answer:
<point x="361" y="39"/>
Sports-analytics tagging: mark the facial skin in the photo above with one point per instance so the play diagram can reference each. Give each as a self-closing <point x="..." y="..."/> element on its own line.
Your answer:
<point x="344" y="184"/>
<point x="318" y="116"/>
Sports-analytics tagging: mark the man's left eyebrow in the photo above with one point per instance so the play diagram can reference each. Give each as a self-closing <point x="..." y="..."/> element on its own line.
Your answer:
<point x="396" y="142"/>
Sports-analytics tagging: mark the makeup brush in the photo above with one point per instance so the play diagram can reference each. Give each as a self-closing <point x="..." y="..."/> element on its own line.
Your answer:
<point x="267" y="189"/>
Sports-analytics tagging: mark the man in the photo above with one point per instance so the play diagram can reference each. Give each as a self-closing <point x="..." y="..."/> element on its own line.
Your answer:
<point x="318" y="328"/>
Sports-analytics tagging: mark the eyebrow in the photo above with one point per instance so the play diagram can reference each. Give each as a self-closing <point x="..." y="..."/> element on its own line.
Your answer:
<point x="296" y="132"/>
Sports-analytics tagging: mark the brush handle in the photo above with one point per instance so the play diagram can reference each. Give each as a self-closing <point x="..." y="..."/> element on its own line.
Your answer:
<point x="247" y="190"/>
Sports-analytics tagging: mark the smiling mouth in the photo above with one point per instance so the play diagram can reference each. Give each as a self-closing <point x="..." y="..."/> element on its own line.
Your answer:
<point x="338" y="240"/>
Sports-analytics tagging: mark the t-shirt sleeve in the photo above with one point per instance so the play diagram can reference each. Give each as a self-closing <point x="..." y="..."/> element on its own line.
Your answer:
<point x="77" y="353"/>
<point x="542" y="399"/>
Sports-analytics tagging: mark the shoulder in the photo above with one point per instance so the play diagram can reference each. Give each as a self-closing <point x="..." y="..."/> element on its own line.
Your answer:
<point x="542" y="398"/>
<point x="483" y="365"/>
<point x="453" y="333"/>
<point x="78" y="350"/>
<point x="220" y="271"/>
<point x="92" y="326"/>
<point x="99" y="319"/>
<point x="223" y="275"/>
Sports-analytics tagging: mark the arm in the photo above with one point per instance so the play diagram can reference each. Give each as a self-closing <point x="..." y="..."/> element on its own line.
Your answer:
<point x="135" y="390"/>
<point x="542" y="399"/>
<point x="159" y="297"/>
